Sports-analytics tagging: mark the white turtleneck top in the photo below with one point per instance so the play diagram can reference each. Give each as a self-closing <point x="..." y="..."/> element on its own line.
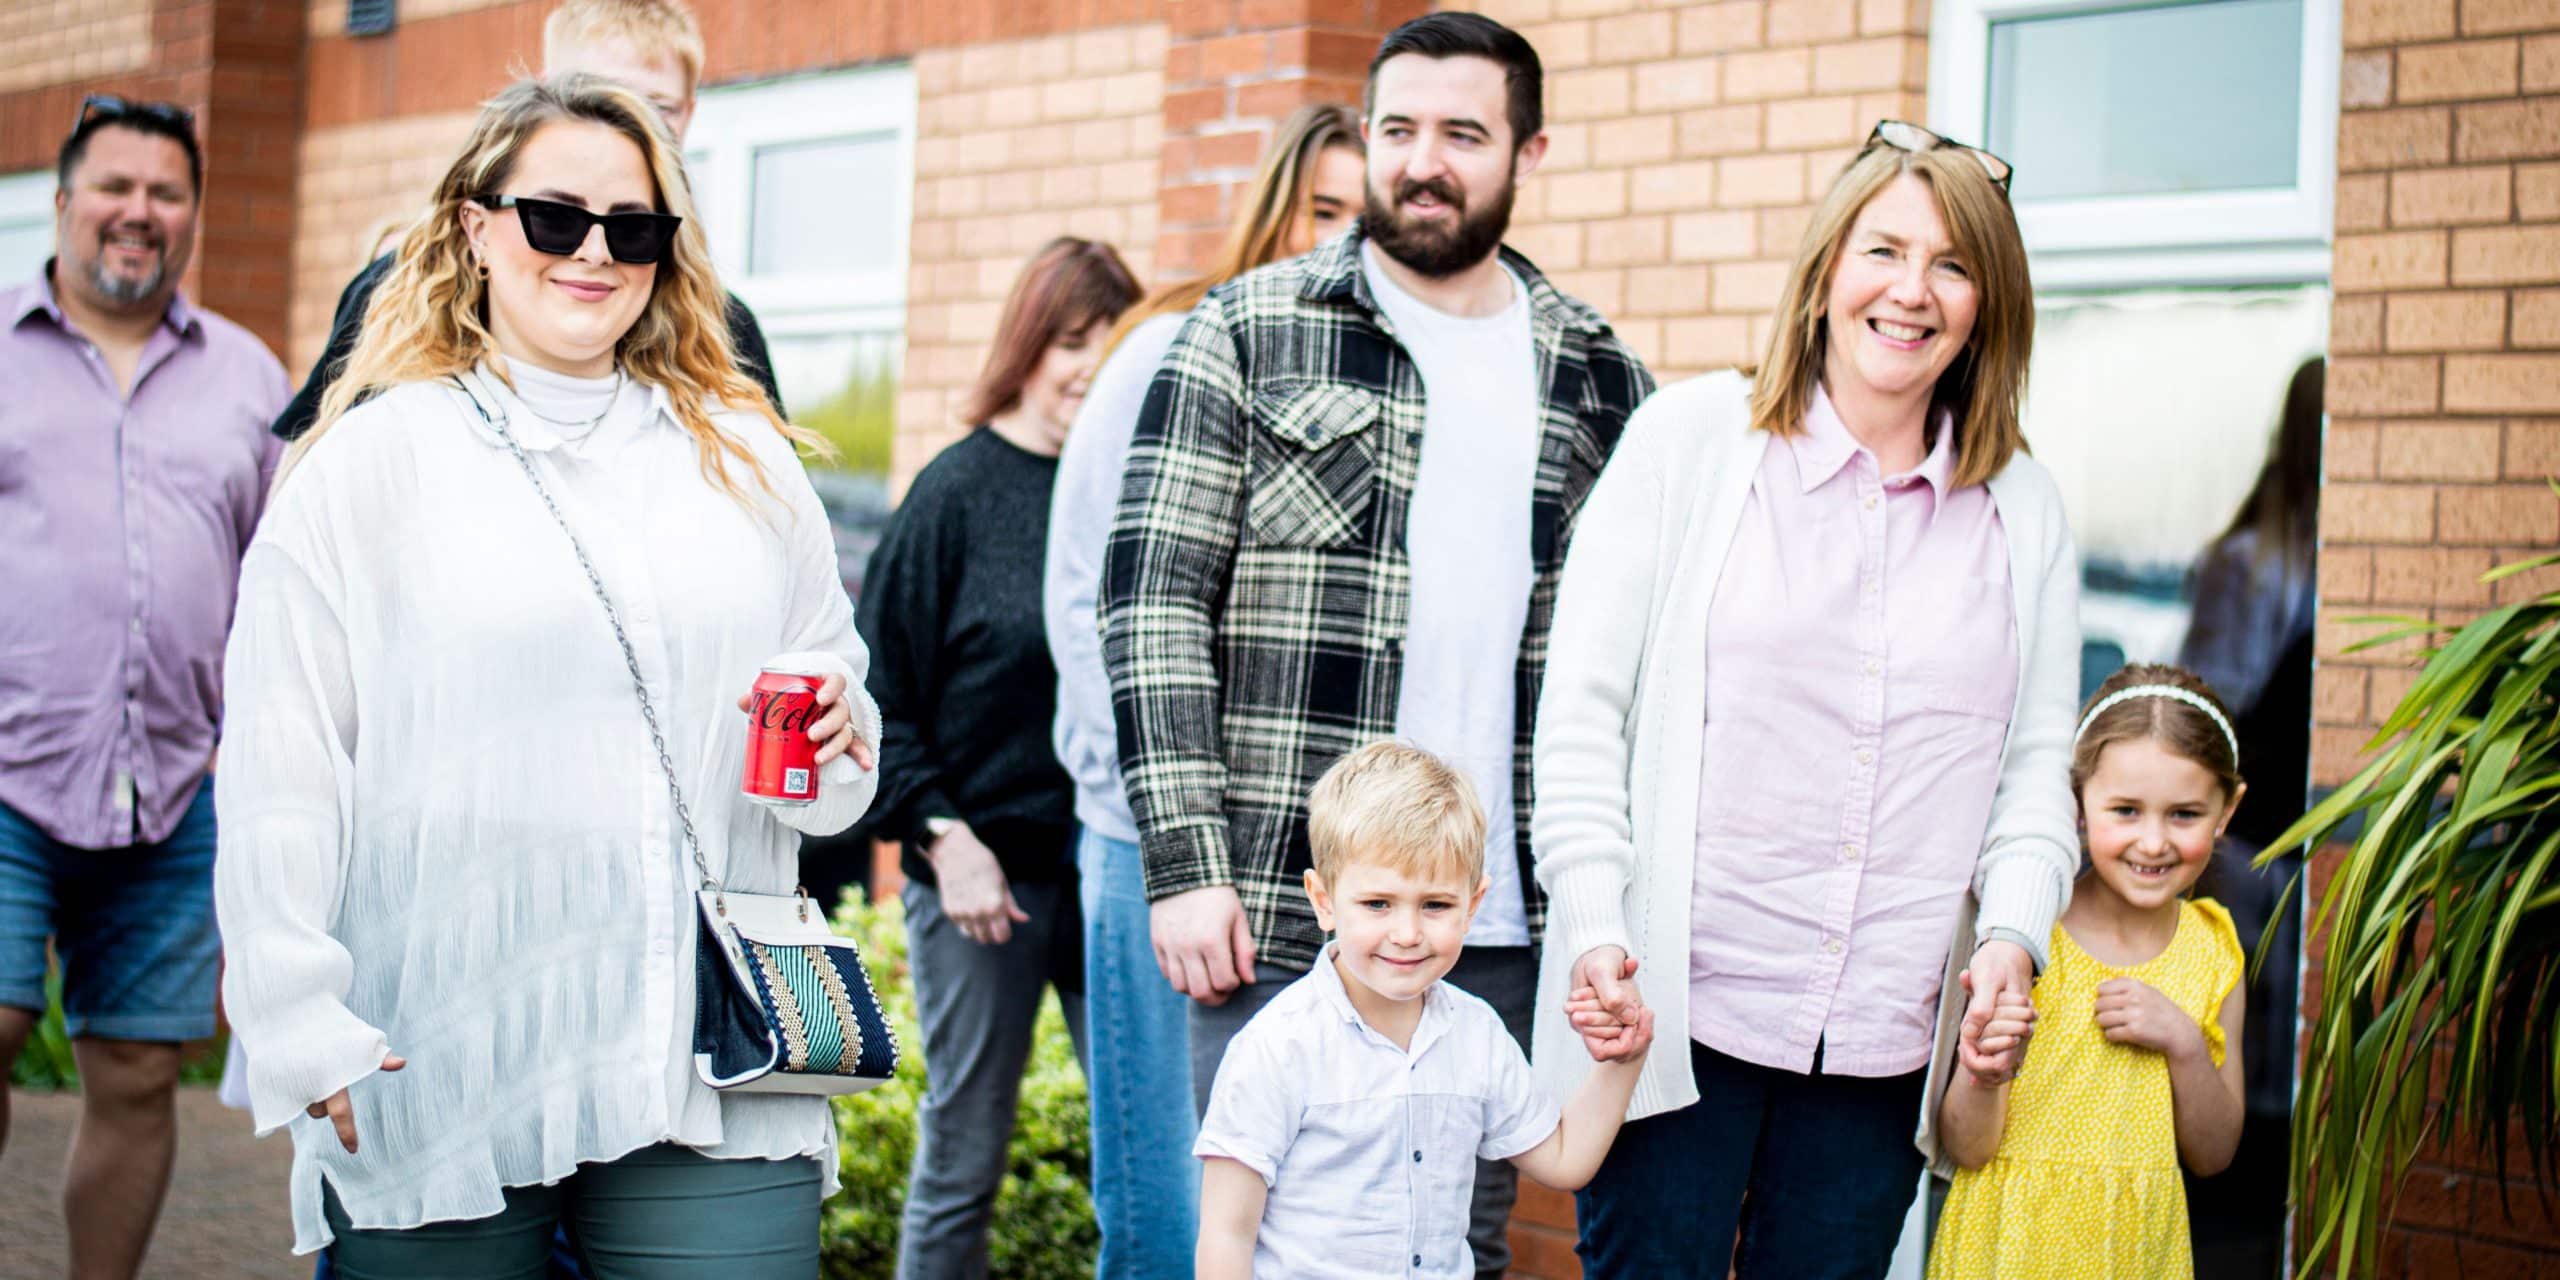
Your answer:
<point x="444" y="832"/>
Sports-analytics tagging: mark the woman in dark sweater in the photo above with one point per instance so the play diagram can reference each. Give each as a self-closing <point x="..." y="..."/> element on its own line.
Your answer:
<point x="969" y="783"/>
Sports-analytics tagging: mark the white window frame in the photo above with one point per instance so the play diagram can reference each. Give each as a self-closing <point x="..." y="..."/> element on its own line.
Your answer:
<point x="2123" y="242"/>
<point x="26" y="199"/>
<point x="730" y="124"/>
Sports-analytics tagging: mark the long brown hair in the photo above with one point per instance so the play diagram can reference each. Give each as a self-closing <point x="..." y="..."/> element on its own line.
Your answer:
<point x="2283" y="507"/>
<point x="1067" y="286"/>
<point x="430" y="317"/>
<point x="1260" y="233"/>
<point x="1985" y="386"/>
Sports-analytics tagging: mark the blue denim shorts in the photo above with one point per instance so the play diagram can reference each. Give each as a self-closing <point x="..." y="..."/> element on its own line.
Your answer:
<point x="133" y="928"/>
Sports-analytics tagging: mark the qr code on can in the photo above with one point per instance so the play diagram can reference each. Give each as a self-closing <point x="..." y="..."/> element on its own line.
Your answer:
<point x="795" y="781"/>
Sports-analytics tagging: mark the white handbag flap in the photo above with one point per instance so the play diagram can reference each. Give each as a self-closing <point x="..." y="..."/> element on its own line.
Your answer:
<point x="775" y="921"/>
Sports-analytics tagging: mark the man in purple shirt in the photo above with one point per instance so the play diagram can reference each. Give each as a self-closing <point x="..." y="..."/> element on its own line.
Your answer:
<point x="134" y="456"/>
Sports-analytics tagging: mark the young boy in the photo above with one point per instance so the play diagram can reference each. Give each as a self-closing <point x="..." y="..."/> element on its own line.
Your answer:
<point x="1347" y="1117"/>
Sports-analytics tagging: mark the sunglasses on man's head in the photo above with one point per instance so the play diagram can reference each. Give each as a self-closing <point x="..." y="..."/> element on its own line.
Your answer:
<point x="111" y="108"/>
<point x="558" y="229"/>
<point x="1906" y="136"/>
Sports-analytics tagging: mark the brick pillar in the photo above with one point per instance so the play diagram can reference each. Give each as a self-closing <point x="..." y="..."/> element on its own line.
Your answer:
<point x="1232" y="69"/>
<point x="2444" y="404"/>
<point x="251" y="122"/>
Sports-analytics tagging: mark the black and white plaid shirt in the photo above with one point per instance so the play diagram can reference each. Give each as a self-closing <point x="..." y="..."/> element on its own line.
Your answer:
<point x="1255" y="589"/>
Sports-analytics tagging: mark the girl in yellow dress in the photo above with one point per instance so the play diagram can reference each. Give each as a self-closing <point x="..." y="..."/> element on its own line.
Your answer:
<point x="2071" y="1168"/>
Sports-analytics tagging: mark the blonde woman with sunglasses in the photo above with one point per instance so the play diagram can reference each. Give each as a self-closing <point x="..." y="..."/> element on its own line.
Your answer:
<point x="1815" y="656"/>
<point x="453" y="881"/>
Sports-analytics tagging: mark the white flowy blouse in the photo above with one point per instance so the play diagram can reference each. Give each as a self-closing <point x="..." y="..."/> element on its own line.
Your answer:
<point x="444" y="833"/>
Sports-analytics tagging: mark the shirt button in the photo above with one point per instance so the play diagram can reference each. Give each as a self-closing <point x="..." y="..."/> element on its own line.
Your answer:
<point x="1417" y="1157"/>
<point x="1417" y="1259"/>
<point x="1866" y="757"/>
<point x="1874" y="668"/>
<point x="137" y="626"/>
<point x="1849" y="851"/>
<point x="1871" y="586"/>
<point x="1832" y="946"/>
<point x="1870" y="503"/>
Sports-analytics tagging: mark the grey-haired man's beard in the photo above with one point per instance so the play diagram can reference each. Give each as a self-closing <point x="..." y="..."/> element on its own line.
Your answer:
<point x="1430" y="249"/>
<point x="124" y="291"/>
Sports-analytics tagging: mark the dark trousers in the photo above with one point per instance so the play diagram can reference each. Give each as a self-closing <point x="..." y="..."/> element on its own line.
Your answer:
<point x="1772" y="1173"/>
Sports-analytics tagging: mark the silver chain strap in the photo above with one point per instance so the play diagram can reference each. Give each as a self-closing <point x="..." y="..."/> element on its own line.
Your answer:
<point x="630" y="659"/>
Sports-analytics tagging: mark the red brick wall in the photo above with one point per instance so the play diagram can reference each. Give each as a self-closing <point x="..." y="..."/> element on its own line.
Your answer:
<point x="58" y="41"/>
<point x="1233" y="70"/>
<point x="1017" y="141"/>
<point x="2444" y="396"/>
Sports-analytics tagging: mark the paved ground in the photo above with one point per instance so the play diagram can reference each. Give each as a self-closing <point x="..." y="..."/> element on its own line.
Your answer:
<point x="225" y="1216"/>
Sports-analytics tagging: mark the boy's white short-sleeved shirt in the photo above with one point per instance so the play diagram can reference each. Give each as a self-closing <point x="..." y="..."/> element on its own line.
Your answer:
<point x="1369" y="1150"/>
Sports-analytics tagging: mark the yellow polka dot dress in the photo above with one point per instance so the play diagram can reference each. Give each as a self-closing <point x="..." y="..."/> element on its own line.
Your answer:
<point x="2085" y="1183"/>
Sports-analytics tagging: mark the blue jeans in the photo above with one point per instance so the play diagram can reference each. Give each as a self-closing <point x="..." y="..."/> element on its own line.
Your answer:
<point x="1146" y="1183"/>
<point x="133" y="928"/>
<point x="1827" y="1162"/>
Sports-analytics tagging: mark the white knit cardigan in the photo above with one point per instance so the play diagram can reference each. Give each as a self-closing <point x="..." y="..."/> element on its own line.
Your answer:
<point x="1620" y="722"/>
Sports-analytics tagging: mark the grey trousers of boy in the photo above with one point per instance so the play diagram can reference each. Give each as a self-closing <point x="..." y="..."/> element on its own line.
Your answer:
<point x="977" y="1004"/>
<point x="1504" y="977"/>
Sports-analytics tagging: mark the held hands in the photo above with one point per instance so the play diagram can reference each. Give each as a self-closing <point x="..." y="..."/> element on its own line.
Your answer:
<point x="2000" y="970"/>
<point x="834" y="730"/>
<point x="2131" y="1011"/>
<point x="975" y="893"/>
<point x="340" y="1114"/>
<point x="1203" y="944"/>
<point x="1605" y="1007"/>
<point x="1992" y="1046"/>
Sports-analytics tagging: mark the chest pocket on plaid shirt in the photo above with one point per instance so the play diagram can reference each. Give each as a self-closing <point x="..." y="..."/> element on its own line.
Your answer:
<point x="1313" y="468"/>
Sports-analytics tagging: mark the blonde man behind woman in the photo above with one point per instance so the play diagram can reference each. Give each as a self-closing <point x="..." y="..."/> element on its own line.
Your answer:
<point x="1145" y="1183"/>
<point x="1812" y="679"/>
<point x="453" y="887"/>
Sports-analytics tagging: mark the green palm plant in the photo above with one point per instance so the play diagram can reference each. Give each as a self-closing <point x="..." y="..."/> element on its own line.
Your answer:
<point x="2443" y="920"/>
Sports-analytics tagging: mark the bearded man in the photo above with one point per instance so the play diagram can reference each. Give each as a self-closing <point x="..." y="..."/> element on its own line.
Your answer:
<point x="134" y="458"/>
<point x="1345" y="513"/>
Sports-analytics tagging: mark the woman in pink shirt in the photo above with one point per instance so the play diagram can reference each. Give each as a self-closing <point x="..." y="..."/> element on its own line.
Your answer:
<point x="1811" y="684"/>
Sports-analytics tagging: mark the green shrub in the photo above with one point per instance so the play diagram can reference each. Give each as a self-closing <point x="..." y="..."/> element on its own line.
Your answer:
<point x="1044" y="1227"/>
<point x="861" y="421"/>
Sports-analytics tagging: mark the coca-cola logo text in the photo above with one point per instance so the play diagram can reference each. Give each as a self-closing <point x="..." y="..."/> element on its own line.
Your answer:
<point x="784" y="710"/>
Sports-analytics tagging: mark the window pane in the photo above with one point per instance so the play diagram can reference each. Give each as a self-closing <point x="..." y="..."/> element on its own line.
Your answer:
<point x="23" y="248"/>
<point x="822" y="207"/>
<point x="844" y="386"/>
<point x="2173" y="99"/>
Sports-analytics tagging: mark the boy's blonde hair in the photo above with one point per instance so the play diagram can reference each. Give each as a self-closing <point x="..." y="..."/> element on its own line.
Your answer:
<point x="1398" y="805"/>
<point x="652" y="27"/>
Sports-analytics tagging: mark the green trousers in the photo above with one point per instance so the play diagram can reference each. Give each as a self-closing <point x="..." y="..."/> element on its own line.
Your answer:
<point x="660" y="1213"/>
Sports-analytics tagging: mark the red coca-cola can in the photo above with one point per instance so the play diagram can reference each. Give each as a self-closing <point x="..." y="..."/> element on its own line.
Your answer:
<point x="782" y="763"/>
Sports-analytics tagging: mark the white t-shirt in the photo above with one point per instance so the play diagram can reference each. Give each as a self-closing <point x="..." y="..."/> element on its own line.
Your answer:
<point x="1467" y="540"/>
<point x="1369" y="1151"/>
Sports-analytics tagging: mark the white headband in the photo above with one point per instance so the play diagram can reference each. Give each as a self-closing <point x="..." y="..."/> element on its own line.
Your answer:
<point x="2174" y="694"/>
